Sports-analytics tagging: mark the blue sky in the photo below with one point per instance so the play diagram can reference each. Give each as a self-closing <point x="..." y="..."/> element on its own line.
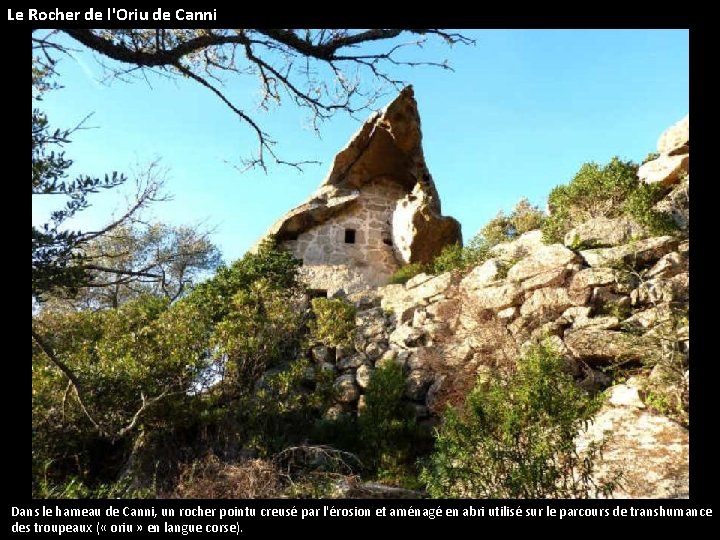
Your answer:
<point x="521" y="113"/>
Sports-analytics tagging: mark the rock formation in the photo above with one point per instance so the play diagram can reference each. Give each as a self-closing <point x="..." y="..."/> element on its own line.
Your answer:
<point x="623" y="303"/>
<point x="377" y="209"/>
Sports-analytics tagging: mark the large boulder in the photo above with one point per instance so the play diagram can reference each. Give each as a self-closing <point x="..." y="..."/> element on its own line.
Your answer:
<point x="603" y="232"/>
<point x="665" y="170"/>
<point x="542" y="260"/>
<point x="419" y="232"/>
<point x="379" y="187"/>
<point x="633" y="254"/>
<point x="676" y="139"/>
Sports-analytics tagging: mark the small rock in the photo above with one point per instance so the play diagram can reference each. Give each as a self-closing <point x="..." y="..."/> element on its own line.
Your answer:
<point x="346" y="389"/>
<point x="351" y="362"/>
<point x="481" y="275"/>
<point x="417" y="384"/>
<point x="375" y="349"/>
<point x="363" y="375"/>
<point x="321" y="354"/>
<point x="508" y="313"/>
<point x="622" y="395"/>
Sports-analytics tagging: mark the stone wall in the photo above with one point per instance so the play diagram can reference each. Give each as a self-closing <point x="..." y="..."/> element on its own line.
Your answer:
<point x="330" y="263"/>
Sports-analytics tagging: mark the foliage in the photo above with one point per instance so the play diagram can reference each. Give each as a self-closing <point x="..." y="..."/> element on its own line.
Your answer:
<point x="275" y="265"/>
<point x="639" y="206"/>
<point x="54" y="250"/>
<point x="651" y="157"/>
<point x="73" y="488"/>
<point x="153" y="259"/>
<point x="609" y="191"/>
<point x="515" y="437"/>
<point x="210" y="478"/>
<point x="283" y="409"/>
<point x="263" y="328"/>
<point x="390" y="437"/>
<point x="523" y="218"/>
<point x="334" y="322"/>
<point x="452" y="257"/>
<point x="404" y="273"/>
<point x="129" y="364"/>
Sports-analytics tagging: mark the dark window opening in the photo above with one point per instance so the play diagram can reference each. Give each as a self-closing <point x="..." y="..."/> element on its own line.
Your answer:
<point x="291" y="236"/>
<point x="317" y="293"/>
<point x="349" y="236"/>
<point x="387" y="242"/>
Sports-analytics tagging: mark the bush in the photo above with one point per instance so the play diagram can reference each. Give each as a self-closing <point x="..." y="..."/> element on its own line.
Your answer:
<point x="609" y="191"/>
<point x="391" y="438"/>
<point x="334" y="323"/>
<point x="524" y="217"/>
<point x="276" y="266"/>
<point x="515" y="437"/>
<point x="452" y="257"/>
<point x="406" y="272"/>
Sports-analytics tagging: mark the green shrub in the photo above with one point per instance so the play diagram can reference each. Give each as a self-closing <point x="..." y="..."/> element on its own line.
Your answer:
<point x="271" y="263"/>
<point x="283" y="410"/>
<point x="404" y="273"/>
<point x="608" y="191"/>
<point x="515" y="437"/>
<point x="639" y="206"/>
<point x="523" y="218"/>
<point x="391" y="438"/>
<point x="452" y="257"/>
<point x="334" y="323"/>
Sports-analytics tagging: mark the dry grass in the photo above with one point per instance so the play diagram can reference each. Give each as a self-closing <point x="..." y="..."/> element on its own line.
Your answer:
<point x="210" y="478"/>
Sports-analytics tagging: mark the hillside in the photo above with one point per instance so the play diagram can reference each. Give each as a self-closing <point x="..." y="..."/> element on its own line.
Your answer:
<point x="554" y="337"/>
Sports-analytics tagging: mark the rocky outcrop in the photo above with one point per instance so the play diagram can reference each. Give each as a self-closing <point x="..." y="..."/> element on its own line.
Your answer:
<point x="419" y="231"/>
<point x="378" y="207"/>
<point x="624" y="302"/>
<point x="646" y="450"/>
<point x="604" y="232"/>
<point x="674" y="159"/>
<point x="676" y="139"/>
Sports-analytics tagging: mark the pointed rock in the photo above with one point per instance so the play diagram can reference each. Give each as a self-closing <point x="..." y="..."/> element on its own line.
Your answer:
<point x="377" y="209"/>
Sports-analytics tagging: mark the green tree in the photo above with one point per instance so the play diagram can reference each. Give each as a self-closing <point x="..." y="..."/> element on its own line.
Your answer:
<point x="515" y="438"/>
<point x="101" y="378"/>
<point x="60" y="265"/>
<point x="135" y="259"/>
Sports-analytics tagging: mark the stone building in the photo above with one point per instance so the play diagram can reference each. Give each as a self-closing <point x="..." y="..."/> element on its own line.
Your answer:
<point x="377" y="209"/>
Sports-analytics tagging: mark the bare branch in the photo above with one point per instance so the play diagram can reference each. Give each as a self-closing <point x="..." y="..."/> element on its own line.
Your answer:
<point x="280" y="58"/>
